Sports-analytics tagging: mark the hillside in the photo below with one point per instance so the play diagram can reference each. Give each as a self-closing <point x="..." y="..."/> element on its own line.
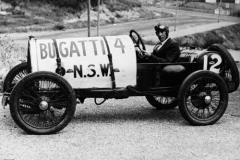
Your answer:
<point x="40" y="15"/>
<point x="226" y="36"/>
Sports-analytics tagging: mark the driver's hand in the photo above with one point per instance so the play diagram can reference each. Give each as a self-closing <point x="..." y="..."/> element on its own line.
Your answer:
<point x="146" y="53"/>
<point x="143" y="52"/>
<point x="137" y="50"/>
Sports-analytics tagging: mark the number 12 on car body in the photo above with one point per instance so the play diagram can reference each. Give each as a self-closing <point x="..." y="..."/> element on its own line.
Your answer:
<point x="212" y="62"/>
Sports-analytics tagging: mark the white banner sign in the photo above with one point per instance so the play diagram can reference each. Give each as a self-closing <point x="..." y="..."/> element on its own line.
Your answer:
<point x="85" y="60"/>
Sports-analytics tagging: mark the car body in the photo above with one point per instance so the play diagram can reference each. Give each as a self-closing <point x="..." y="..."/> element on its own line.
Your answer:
<point x="60" y="71"/>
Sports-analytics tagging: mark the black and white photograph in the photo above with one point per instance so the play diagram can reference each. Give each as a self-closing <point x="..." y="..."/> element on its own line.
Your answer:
<point x="119" y="79"/>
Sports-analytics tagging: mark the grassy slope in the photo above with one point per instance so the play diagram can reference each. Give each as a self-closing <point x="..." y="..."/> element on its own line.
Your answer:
<point x="227" y="36"/>
<point x="40" y="16"/>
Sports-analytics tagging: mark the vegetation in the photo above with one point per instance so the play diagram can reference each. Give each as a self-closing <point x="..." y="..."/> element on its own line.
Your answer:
<point x="226" y="36"/>
<point x="10" y="53"/>
<point x="41" y="15"/>
<point x="76" y="4"/>
<point x="210" y="7"/>
<point x="237" y="13"/>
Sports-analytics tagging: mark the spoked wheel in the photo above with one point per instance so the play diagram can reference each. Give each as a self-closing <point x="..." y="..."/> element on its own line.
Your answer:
<point x="162" y="102"/>
<point x="15" y="75"/>
<point x="42" y="103"/>
<point x="203" y="98"/>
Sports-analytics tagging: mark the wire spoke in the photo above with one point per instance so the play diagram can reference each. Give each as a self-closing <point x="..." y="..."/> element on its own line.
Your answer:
<point x="49" y="92"/>
<point x="196" y="101"/>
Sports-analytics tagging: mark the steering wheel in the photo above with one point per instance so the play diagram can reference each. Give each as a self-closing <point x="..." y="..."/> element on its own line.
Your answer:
<point x="138" y="42"/>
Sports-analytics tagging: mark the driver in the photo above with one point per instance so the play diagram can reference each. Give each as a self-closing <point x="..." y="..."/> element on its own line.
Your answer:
<point x="166" y="50"/>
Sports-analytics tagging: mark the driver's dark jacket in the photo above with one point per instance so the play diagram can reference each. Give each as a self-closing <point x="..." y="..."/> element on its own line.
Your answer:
<point x="168" y="53"/>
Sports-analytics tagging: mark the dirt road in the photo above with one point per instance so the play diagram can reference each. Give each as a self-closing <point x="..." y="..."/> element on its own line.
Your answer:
<point x="185" y="20"/>
<point x="125" y="129"/>
<point x="145" y="29"/>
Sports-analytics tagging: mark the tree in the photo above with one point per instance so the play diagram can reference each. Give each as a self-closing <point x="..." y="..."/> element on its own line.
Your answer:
<point x="94" y="3"/>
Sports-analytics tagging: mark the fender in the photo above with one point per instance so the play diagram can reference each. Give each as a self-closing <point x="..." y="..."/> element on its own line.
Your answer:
<point x="230" y="64"/>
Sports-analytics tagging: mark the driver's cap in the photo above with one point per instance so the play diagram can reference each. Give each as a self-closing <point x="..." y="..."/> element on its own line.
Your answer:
<point x="161" y="28"/>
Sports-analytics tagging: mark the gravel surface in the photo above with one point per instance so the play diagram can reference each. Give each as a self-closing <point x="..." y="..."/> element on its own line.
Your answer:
<point x="124" y="129"/>
<point x="128" y="129"/>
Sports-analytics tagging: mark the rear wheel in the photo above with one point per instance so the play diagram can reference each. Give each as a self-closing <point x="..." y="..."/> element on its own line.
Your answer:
<point x="230" y="73"/>
<point x="162" y="102"/>
<point x="42" y="103"/>
<point x="15" y="75"/>
<point x="203" y="98"/>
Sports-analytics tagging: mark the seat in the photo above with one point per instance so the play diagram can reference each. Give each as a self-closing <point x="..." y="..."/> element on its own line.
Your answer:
<point x="184" y="59"/>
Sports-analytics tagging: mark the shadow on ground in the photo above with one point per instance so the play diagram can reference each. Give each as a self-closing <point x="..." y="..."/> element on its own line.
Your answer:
<point x="107" y="114"/>
<point x="234" y="101"/>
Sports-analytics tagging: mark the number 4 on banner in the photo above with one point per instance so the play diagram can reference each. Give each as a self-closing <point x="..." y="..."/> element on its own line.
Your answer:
<point x="119" y="44"/>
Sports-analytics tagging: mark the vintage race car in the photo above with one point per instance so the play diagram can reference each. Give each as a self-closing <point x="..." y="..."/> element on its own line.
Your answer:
<point x="42" y="92"/>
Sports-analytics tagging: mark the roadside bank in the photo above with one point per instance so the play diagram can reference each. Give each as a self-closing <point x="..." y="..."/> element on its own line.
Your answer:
<point x="224" y="33"/>
<point x="228" y="36"/>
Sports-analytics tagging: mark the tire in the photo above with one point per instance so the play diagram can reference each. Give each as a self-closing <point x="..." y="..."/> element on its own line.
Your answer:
<point x="231" y="73"/>
<point x="162" y="102"/>
<point x="42" y="103"/>
<point x="203" y="98"/>
<point x="14" y="76"/>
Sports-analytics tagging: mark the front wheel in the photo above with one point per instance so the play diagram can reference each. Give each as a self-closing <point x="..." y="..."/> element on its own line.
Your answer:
<point x="162" y="102"/>
<point x="42" y="103"/>
<point x="203" y="98"/>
